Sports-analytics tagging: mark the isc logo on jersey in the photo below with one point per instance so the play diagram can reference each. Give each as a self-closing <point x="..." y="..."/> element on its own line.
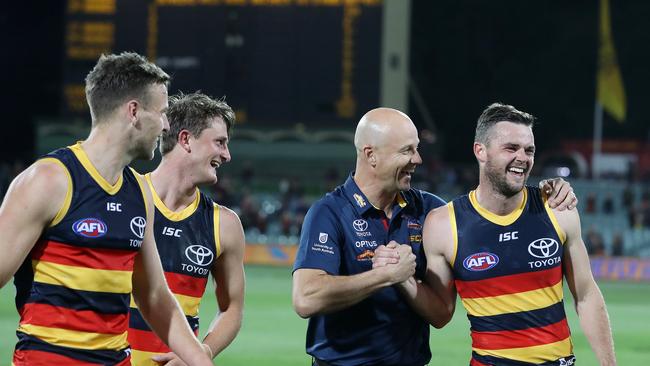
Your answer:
<point x="90" y="227"/>
<point x="480" y="261"/>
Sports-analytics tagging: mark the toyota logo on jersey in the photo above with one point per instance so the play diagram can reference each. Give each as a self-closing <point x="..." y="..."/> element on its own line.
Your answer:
<point x="199" y="255"/>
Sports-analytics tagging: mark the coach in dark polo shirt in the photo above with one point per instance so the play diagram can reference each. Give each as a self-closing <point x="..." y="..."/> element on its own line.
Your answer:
<point x="356" y="315"/>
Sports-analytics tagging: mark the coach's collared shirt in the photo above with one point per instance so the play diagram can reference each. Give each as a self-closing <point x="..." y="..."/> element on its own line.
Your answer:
<point x="339" y="236"/>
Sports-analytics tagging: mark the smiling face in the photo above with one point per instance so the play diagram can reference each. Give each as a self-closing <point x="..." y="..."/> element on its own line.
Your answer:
<point x="397" y="157"/>
<point x="209" y="151"/>
<point x="508" y="157"/>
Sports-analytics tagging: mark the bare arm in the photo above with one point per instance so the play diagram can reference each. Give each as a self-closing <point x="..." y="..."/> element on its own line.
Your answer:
<point x="435" y="297"/>
<point x="589" y="301"/>
<point x="31" y="203"/>
<point x="228" y="272"/>
<point x="317" y="292"/>
<point x="156" y="302"/>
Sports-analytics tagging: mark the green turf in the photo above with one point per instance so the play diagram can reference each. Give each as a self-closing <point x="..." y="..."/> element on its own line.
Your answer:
<point x="272" y="335"/>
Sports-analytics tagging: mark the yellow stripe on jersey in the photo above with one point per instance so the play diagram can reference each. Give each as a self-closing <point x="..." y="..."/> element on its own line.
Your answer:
<point x="142" y="358"/>
<point x="189" y="304"/>
<point x="168" y="213"/>
<point x="556" y="225"/>
<point x="111" y="189"/>
<point x="76" y="339"/>
<point x="504" y="220"/>
<point x="68" y="194"/>
<point x="217" y="221"/>
<point x="454" y="231"/>
<point x="79" y="278"/>
<point x="522" y="301"/>
<point x="534" y="354"/>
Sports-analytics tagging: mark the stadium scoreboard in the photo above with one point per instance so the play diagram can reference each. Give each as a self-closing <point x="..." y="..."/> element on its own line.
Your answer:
<point x="278" y="62"/>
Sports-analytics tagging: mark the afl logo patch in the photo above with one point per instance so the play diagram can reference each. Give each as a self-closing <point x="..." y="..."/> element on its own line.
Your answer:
<point x="480" y="261"/>
<point x="90" y="227"/>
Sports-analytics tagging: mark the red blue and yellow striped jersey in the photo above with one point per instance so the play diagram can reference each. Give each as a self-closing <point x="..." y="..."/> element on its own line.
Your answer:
<point x="188" y="244"/>
<point x="508" y="273"/>
<point x="72" y="291"/>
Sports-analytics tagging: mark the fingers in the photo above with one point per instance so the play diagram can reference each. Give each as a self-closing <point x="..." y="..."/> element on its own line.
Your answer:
<point x="165" y="357"/>
<point x="384" y="255"/>
<point x="561" y="195"/>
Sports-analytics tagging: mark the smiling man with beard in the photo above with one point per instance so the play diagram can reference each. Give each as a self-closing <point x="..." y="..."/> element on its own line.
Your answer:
<point x="505" y="251"/>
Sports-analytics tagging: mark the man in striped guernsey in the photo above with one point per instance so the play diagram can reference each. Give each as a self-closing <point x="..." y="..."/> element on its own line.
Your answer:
<point x="506" y="252"/>
<point x="194" y="235"/>
<point x="77" y="233"/>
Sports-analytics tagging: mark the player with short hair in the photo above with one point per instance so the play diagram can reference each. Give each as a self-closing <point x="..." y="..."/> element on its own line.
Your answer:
<point x="195" y="236"/>
<point x="506" y="252"/>
<point x="77" y="232"/>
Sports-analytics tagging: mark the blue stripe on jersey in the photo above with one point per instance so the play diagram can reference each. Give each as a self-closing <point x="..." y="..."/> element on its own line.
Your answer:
<point x="101" y="357"/>
<point x="522" y="320"/>
<point x="100" y="302"/>
<point x="136" y="321"/>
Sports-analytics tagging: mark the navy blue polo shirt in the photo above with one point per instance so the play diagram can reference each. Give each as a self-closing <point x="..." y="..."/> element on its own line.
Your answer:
<point x="339" y="236"/>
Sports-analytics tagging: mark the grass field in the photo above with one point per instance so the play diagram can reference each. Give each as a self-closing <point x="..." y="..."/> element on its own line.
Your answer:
<point x="273" y="335"/>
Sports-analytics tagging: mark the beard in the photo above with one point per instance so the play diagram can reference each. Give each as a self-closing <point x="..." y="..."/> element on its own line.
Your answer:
<point x="497" y="178"/>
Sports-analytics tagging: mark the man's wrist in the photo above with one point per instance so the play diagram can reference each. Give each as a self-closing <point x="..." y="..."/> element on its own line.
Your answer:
<point x="207" y="348"/>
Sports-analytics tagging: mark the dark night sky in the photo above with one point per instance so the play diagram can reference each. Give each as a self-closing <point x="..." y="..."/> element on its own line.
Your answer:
<point x="537" y="55"/>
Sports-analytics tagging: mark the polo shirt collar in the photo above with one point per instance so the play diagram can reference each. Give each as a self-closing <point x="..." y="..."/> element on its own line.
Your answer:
<point x="360" y="201"/>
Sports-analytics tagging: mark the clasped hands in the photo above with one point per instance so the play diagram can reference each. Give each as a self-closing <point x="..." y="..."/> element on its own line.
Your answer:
<point x="396" y="259"/>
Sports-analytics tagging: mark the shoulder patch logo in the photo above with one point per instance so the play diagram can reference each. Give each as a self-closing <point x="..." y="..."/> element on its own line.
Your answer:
<point x="480" y="261"/>
<point x="322" y="237"/>
<point x="90" y="227"/>
<point x="360" y="201"/>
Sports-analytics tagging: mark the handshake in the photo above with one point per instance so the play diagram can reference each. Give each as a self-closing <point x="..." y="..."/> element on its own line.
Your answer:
<point x="395" y="261"/>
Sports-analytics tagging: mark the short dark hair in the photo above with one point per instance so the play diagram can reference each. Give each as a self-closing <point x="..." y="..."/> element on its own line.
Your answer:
<point x="117" y="78"/>
<point x="192" y="112"/>
<point x="498" y="112"/>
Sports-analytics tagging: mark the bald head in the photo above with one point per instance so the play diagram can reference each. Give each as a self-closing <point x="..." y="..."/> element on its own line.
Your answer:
<point x="376" y="126"/>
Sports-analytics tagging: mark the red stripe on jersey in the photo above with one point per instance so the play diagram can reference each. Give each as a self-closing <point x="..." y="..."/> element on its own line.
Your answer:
<point x="79" y="320"/>
<point x="71" y="255"/>
<point x="146" y="341"/>
<point x="186" y="285"/>
<point x="521" y="338"/>
<point x="511" y="284"/>
<point x="41" y="358"/>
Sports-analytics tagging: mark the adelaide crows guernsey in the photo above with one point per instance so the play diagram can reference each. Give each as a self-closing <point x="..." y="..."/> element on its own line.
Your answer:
<point x="72" y="291"/>
<point x="508" y="273"/>
<point x="188" y="244"/>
